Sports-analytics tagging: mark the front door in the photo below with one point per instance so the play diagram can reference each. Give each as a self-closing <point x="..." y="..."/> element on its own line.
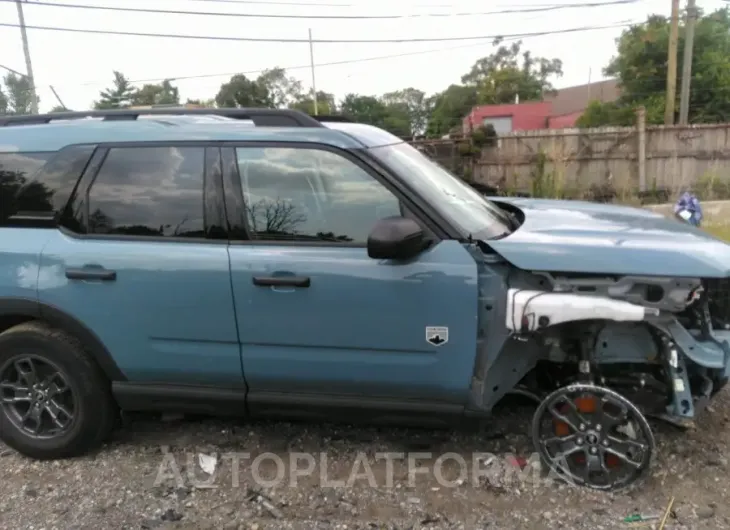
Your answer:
<point x="137" y="263"/>
<point x="318" y="319"/>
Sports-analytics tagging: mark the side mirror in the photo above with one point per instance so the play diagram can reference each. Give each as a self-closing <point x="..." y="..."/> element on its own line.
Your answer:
<point x="397" y="238"/>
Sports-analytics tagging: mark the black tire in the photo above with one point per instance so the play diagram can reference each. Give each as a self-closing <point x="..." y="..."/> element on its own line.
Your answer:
<point x="95" y="411"/>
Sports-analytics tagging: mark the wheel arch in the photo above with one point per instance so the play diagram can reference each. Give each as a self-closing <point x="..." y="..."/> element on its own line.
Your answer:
<point x="15" y="311"/>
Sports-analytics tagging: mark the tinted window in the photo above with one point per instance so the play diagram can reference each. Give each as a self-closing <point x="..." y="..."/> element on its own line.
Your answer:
<point x="148" y="191"/>
<point x="310" y="195"/>
<point x="18" y="190"/>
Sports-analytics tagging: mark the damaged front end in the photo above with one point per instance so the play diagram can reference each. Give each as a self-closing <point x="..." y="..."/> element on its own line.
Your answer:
<point x="671" y="355"/>
<point x="583" y="344"/>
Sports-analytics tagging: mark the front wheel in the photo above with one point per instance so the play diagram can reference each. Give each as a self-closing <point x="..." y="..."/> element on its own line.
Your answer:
<point x="54" y="400"/>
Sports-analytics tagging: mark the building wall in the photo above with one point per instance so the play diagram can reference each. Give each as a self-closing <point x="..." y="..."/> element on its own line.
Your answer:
<point x="525" y="116"/>
<point x="565" y="121"/>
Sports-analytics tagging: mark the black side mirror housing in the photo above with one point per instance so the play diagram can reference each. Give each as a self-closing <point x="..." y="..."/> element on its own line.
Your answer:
<point x="397" y="238"/>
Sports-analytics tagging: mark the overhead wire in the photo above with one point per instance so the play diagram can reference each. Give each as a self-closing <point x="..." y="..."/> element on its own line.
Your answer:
<point x="328" y="17"/>
<point x="314" y="41"/>
<point x="178" y="78"/>
<point x="328" y="4"/>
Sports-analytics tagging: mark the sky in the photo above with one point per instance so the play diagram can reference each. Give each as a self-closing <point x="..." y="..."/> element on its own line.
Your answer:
<point x="79" y="65"/>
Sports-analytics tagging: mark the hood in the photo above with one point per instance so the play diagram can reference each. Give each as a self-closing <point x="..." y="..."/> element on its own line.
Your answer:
<point x="595" y="238"/>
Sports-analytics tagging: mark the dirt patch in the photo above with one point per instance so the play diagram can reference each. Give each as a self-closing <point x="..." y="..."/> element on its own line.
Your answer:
<point x="149" y="476"/>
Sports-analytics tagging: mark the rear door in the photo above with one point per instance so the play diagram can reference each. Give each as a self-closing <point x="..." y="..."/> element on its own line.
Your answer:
<point x="141" y="260"/>
<point x="322" y="323"/>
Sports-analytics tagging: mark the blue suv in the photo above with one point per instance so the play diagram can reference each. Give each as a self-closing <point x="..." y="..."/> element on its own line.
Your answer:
<point x="266" y="263"/>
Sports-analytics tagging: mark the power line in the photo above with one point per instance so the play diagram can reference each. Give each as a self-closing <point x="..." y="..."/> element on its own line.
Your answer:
<point x="319" y="65"/>
<point x="332" y="17"/>
<point x="319" y="41"/>
<point x="312" y="4"/>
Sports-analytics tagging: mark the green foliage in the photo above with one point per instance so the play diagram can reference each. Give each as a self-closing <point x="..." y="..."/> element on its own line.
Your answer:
<point x="119" y="96"/>
<point x="497" y="78"/>
<point x="449" y="109"/>
<point x="283" y="90"/>
<point x="484" y="136"/>
<point x="414" y="104"/>
<point x="543" y="182"/>
<point x="161" y="94"/>
<point x="393" y="117"/>
<point x="509" y="73"/>
<point x="240" y="91"/>
<point x="17" y="98"/>
<point x="205" y="103"/>
<point x="640" y="65"/>
<point x="325" y="103"/>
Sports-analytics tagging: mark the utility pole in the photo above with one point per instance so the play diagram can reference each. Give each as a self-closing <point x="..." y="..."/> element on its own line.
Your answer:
<point x="672" y="65"/>
<point x="311" y="62"/>
<point x="28" y="65"/>
<point x="689" y="40"/>
<point x="58" y="97"/>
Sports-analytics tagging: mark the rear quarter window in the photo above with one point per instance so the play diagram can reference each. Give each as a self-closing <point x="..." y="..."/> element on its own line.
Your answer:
<point x="39" y="183"/>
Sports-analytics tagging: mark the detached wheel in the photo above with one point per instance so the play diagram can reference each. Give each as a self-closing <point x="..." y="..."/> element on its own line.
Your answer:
<point x="54" y="400"/>
<point x="592" y="436"/>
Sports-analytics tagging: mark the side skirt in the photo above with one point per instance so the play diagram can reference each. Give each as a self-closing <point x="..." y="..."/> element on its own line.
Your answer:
<point x="235" y="402"/>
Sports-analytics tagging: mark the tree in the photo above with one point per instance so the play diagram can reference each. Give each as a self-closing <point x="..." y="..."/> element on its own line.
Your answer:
<point x="373" y="111"/>
<point x="326" y="103"/>
<point x="283" y="90"/>
<point x="160" y="94"/>
<point x="241" y="91"/>
<point x="19" y="96"/>
<point x="510" y="73"/>
<point x="3" y="101"/>
<point x="119" y="96"/>
<point x="640" y="65"/>
<point x="59" y="108"/>
<point x="412" y="102"/>
<point x="449" y="108"/>
<point x="205" y="103"/>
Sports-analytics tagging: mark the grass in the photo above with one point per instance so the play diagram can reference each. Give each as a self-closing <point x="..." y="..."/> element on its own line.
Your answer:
<point x="719" y="230"/>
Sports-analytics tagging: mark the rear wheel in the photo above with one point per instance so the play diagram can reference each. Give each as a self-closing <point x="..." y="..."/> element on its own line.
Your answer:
<point x="54" y="400"/>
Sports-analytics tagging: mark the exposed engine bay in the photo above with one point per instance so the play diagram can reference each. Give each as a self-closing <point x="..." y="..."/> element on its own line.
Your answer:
<point x="639" y="346"/>
<point x="634" y="333"/>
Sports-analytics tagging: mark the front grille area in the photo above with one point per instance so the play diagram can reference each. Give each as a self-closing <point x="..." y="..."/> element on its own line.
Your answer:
<point x="718" y="297"/>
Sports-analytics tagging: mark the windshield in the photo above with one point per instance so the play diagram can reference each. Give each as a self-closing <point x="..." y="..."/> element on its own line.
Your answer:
<point x="472" y="213"/>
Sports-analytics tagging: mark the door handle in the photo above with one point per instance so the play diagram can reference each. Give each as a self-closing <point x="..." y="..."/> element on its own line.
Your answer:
<point x="91" y="273"/>
<point x="282" y="281"/>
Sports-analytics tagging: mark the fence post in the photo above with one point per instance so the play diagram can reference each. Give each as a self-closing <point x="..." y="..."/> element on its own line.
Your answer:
<point x="641" y="147"/>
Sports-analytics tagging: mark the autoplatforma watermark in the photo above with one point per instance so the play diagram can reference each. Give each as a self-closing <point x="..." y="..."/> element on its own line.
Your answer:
<point x="381" y="470"/>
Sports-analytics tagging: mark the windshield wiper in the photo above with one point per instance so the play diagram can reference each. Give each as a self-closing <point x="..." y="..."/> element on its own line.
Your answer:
<point x="501" y="236"/>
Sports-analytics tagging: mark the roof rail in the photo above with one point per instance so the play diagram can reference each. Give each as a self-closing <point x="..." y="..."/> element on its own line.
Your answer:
<point x="333" y="118"/>
<point x="260" y="117"/>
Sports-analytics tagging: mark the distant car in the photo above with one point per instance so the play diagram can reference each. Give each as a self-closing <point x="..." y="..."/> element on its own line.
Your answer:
<point x="265" y="263"/>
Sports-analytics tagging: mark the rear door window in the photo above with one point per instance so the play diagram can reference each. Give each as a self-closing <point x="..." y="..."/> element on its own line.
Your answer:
<point x="148" y="191"/>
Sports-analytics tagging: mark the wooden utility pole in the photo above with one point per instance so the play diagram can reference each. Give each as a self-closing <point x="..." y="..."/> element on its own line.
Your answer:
<point x="314" y="83"/>
<point x="672" y="65"/>
<point x="689" y="40"/>
<point x="26" y="52"/>
<point x="641" y="146"/>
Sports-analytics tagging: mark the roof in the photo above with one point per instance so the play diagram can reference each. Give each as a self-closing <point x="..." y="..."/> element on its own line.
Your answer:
<point x="56" y="135"/>
<point x="577" y="98"/>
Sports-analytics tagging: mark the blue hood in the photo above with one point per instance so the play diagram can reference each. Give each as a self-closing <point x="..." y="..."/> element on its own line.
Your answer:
<point x="576" y="236"/>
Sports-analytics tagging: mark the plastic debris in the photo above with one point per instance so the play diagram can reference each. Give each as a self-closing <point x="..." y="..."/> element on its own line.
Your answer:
<point x="207" y="463"/>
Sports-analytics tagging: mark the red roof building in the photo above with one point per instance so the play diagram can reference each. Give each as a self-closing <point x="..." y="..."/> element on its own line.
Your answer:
<point x="558" y="111"/>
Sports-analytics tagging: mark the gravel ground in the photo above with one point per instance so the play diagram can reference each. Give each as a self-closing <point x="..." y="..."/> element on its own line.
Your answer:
<point x="132" y="483"/>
